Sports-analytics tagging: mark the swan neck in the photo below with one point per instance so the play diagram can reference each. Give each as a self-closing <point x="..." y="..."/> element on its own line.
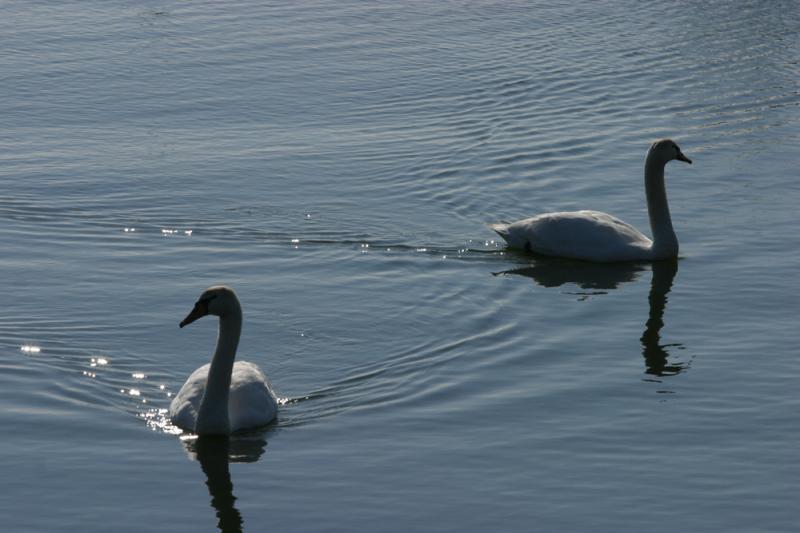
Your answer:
<point x="212" y="416"/>
<point x="665" y="242"/>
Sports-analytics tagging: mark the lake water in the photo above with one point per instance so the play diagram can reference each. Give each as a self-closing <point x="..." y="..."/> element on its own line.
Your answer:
<point x="337" y="163"/>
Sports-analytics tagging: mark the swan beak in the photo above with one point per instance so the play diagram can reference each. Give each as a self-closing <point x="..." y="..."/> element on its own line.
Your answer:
<point x="199" y="311"/>
<point x="683" y="158"/>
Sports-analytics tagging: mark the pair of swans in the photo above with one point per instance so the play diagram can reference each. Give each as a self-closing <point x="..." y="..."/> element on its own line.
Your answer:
<point x="226" y="396"/>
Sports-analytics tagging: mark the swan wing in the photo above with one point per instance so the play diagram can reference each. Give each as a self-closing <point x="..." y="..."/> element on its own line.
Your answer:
<point x="587" y="235"/>
<point x="185" y="404"/>
<point x="251" y="402"/>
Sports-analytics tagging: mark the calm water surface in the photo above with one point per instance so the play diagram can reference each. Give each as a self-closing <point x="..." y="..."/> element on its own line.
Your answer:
<point x="336" y="164"/>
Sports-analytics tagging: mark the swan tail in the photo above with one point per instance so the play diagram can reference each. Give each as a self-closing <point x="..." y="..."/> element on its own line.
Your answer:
<point x="501" y="228"/>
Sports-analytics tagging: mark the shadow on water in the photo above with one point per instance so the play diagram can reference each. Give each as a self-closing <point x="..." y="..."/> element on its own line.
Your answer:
<point x="603" y="277"/>
<point x="215" y="453"/>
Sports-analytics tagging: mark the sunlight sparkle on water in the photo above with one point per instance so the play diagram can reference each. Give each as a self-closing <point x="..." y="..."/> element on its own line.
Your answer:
<point x="157" y="420"/>
<point x="166" y="232"/>
<point x="138" y="375"/>
<point x="30" y="348"/>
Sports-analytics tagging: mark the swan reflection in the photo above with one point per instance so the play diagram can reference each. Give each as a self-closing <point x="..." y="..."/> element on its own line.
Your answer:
<point x="215" y="453"/>
<point x="602" y="277"/>
<point x="655" y="354"/>
<point x="555" y="272"/>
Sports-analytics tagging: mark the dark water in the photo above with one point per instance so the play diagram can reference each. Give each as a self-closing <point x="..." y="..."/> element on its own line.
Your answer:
<point x="336" y="164"/>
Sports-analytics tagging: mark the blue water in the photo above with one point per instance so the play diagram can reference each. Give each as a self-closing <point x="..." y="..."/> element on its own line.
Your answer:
<point x="337" y="163"/>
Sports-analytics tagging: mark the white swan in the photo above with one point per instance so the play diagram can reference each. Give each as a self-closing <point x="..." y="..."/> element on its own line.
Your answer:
<point x="222" y="397"/>
<point x="600" y="237"/>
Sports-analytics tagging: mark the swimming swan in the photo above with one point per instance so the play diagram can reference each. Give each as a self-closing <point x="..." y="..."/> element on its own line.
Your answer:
<point x="222" y="397"/>
<point x="600" y="237"/>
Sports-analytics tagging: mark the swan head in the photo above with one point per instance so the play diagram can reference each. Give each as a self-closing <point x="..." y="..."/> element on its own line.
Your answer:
<point x="218" y="300"/>
<point x="665" y="151"/>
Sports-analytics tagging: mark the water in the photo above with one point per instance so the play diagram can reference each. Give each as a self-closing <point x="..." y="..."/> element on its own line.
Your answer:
<point x="336" y="164"/>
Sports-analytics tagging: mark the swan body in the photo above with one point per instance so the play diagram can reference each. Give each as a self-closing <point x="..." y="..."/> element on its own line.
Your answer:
<point x="600" y="237"/>
<point x="223" y="396"/>
<point x="250" y="401"/>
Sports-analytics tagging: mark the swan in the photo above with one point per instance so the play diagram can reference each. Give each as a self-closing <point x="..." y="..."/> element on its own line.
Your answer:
<point x="600" y="237"/>
<point x="222" y="397"/>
